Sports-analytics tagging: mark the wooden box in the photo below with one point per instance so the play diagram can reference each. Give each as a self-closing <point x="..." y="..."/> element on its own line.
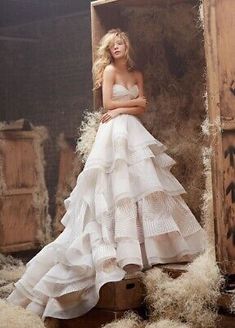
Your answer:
<point x="70" y="165"/>
<point x="219" y="48"/>
<point x="95" y="318"/>
<point x="23" y="195"/>
<point x="122" y="295"/>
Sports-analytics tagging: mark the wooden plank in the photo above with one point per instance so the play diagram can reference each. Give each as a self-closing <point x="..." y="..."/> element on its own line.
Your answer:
<point x="103" y="18"/>
<point x="52" y="322"/>
<point x="16" y="191"/>
<point x="17" y="134"/>
<point x="23" y="194"/>
<point x="93" y="319"/>
<point x="21" y="124"/>
<point x="226" y="67"/>
<point x="122" y="295"/>
<point x="225" y="321"/>
<point x="97" y="30"/>
<point x="66" y="177"/>
<point x="228" y="125"/>
<point x="225" y="11"/>
<point x="20" y="247"/>
<point x="225" y="300"/>
<point x="229" y="204"/>
<point x="213" y="35"/>
<point x="18" y="156"/>
<point x="103" y="2"/>
<point x="141" y="3"/>
<point x="17" y="217"/>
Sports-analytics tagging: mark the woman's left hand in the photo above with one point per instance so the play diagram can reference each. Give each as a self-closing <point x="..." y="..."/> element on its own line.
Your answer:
<point x="109" y="114"/>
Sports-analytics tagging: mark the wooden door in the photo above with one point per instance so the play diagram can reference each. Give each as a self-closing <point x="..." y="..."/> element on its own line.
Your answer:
<point x="220" y="49"/>
<point x="23" y="195"/>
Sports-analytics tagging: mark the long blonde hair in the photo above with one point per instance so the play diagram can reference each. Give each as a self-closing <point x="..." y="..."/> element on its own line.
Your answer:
<point x="103" y="56"/>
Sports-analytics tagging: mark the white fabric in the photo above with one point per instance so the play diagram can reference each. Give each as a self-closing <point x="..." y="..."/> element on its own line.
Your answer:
<point x="126" y="205"/>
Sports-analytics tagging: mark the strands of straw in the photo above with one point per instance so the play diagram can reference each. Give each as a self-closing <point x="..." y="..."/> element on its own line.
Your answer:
<point x="191" y="298"/>
<point x="18" y="317"/>
<point x="87" y="131"/>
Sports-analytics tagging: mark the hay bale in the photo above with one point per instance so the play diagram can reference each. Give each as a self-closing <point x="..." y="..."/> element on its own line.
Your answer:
<point x="191" y="298"/>
<point x="41" y="198"/>
<point x="17" y="317"/>
<point x="167" y="324"/>
<point x="11" y="269"/>
<point x="130" y="320"/>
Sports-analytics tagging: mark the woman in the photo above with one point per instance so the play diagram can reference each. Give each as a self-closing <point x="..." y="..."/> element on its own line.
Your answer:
<point x="125" y="212"/>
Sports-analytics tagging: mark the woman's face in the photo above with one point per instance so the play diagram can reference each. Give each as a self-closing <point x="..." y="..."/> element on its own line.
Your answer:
<point x="117" y="48"/>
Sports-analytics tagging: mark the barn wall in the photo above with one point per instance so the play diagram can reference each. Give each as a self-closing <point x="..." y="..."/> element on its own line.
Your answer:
<point x="169" y="46"/>
<point x="48" y="80"/>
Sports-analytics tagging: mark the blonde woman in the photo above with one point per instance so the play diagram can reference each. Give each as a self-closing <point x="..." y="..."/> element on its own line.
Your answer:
<point x="125" y="213"/>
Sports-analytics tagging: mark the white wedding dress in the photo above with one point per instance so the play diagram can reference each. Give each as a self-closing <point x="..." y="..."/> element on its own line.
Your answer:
<point x="125" y="209"/>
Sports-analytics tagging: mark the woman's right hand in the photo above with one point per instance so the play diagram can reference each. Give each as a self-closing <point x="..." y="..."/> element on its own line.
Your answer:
<point x="141" y="101"/>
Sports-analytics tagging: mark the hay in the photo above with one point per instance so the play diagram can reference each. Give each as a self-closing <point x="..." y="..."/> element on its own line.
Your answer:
<point x="191" y="298"/>
<point x="11" y="269"/>
<point x="207" y="199"/>
<point x="232" y="305"/>
<point x="167" y="324"/>
<point x="130" y="320"/>
<point x="87" y="132"/>
<point x="40" y="196"/>
<point x="17" y="317"/>
<point x="174" y="83"/>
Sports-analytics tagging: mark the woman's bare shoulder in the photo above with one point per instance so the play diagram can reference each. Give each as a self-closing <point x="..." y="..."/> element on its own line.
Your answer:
<point x="109" y="68"/>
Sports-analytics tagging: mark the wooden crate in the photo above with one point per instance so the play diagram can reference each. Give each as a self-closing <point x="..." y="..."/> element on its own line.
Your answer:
<point x="225" y="321"/>
<point x="23" y="195"/>
<point x="70" y="165"/>
<point x="122" y="295"/>
<point x="219" y="48"/>
<point x="95" y="318"/>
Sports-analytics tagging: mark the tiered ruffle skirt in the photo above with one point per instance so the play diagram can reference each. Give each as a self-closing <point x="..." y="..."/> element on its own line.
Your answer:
<point x="125" y="209"/>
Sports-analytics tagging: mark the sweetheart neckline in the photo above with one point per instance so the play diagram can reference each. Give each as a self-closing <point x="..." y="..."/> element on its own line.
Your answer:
<point x="125" y="87"/>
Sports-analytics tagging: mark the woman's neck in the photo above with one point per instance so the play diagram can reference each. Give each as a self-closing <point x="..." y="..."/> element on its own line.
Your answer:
<point x="121" y="64"/>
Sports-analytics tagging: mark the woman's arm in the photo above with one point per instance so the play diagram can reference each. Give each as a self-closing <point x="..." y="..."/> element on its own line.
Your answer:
<point x="136" y="110"/>
<point x="107" y="90"/>
<point x="122" y="110"/>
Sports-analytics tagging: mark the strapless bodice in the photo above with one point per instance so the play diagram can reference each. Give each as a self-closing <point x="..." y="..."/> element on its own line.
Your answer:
<point x="120" y="91"/>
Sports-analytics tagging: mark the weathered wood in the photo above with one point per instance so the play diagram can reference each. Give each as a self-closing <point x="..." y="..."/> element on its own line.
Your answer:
<point x="21" y="124"/>
<point x="23" y="195"/>
<point x="122" y="295"/>
<point x="52" y="323"/>
<point x="219" y="45"/>
<point x="103" y="18"/>
<point x="225" y="321"/>
<point x="93" y="319"/>
<point x="140" y="3"/>
<point x="70" y="166"/>
<point x="225" y="300"/>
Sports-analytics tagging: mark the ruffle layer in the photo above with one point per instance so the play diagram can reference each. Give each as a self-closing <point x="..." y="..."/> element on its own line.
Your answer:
<point x="125" y="201"/>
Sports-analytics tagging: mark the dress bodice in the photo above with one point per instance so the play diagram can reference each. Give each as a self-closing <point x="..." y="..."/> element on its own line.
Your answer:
<point x="120" y="91"/>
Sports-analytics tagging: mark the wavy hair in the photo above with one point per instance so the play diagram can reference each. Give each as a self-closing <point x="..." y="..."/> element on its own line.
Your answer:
<point x="103" y="55"/>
